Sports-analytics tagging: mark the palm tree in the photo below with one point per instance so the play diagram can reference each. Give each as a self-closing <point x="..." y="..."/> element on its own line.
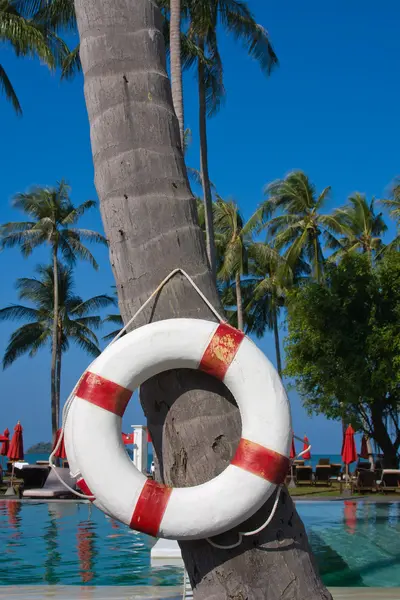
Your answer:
<point x="393" y="205"/>
<point x="150" y="221"/>
<point x="27" y="38"/>
<point x="75" y="322"/>
<point x="233" y="239"/>
<point x="297" y="230"/>
<point x="115" y="319"/>
<point x="176" y="65"/>
<point x="204" y="18"/>
<point x="360" y="226"/>
<point x="52" y="221"/>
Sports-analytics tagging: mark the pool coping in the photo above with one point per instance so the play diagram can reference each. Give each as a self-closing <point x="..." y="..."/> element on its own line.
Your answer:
<point x="153" y="593"/>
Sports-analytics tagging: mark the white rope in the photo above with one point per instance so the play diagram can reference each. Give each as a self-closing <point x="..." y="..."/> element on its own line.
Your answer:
<point x="243" y="534"/>
<point x="71" y="397"/>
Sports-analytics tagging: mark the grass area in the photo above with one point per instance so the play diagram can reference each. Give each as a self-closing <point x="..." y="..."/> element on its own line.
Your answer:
<point x="312" y="490"/>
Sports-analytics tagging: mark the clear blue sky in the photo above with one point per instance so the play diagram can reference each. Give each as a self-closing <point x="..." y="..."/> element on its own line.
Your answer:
<point x="331" y="109"/>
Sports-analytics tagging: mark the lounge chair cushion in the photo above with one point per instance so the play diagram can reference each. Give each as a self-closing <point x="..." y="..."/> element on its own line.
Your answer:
<point x="53" y="488"/>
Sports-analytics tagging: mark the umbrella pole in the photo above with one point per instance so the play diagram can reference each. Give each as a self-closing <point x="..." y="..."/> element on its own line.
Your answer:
<point x="292" y="483"/>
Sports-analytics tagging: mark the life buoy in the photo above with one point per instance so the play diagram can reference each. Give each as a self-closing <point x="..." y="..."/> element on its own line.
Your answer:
<point x="93" y="430"/>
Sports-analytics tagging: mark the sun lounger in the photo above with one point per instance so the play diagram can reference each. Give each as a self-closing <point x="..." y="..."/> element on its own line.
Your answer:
<point x="336" y="470"/>
<point x="365" y="482"/>
<point x="33" y="476"/>
<point x="299" y="463"/>
<point x="304" y="475"/>
<point x="53" y="488"/>
<point x="322" y="475"/>
<point x="390" y="481"/>
<point x="362" y="466"/>
<point x="324" y="462"/>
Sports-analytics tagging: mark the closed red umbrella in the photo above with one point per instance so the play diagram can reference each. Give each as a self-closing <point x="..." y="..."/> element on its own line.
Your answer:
<point x="16" y="449"/>
<point x="349" y="452"/>
<point x="149" y="440"/>
<point x="364" y="448"/>
<point x="307" y="454"/>
<point x="292" y="449"/>
<point x="60" y="453"/>
<point x="6" y="443"/>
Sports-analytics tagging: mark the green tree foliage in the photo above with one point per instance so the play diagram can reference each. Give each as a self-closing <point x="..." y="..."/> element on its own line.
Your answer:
<point x="343" y="346"/>
<point x="298" y="227"/>
<point x="76" y="319"/>
<point x="361" y="227"/>
<point x="52" y="221"/>
<point x="26" y="37"/>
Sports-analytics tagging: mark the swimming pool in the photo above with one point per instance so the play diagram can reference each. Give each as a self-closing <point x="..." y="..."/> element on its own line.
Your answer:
<point x="356" y="544"/>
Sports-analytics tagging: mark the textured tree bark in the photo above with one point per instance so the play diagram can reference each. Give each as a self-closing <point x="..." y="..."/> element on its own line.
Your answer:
<point x="54" y="417"/>
<point x="176" y="66"/>
<point x="150" y="220"/>
<point x="205" y="177"/>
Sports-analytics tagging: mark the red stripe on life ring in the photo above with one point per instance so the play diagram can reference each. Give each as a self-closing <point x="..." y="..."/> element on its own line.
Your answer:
<point x="103" y="393"/>
<point x="221" y="351"/>
<point x="83" y="486"/>
<point x="150" y="507"/>
<point x="261" y="461"/>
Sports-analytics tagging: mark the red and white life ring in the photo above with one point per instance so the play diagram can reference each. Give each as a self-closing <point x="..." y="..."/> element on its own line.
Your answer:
<point x="93" y="430"/>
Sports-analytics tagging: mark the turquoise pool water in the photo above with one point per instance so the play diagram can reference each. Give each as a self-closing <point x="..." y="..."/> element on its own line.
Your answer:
<point x="356" y="544"/>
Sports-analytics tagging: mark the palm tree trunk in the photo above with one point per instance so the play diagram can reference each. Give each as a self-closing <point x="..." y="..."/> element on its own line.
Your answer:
<point x="277" y="344"/>
<point x="150" y="221"/>
<point x="239" y="303"/>
<point x="176" y="66"/>
<point x="54" y="415"/>
<point x="58" y="373"/>
<point x="205" y="178"/>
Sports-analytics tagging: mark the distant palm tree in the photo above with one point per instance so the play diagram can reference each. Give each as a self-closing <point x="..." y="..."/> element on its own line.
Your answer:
<point x="233" y="238"/>
<point x="75" y="323"/>
<point x="393" y="205"/>
<point x="204" y="17"/>
<point x="360" y="226"/>
<point x="115" y="319"/>
<point x="27" y="38"/>
<point x="298" y="229"/>
<point x="52" y="219"/>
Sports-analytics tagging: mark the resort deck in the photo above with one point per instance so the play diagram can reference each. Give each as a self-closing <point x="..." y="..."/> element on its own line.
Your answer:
<point x="152" y="593"/>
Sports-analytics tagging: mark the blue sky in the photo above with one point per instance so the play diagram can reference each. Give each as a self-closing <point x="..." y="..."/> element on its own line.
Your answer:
<point x="331" y="109"/>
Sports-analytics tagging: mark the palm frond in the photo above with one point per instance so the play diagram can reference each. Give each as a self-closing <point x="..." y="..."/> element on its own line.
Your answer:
<point x="8" y="90"/>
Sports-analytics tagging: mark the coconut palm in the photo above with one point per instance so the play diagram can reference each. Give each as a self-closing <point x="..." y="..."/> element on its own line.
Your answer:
<point x="233" y="239"/>
<point x="150" y="220"/>
<point x="204" y="17"/>
<point x="75" y="322"/>
<point x="52" y="220"/>
<point x="27" y="38"/>
<point x="176" y="66"/>
<point x="360" y="226"/>
<point x="299" y="227"/>
<point x="392" y="204"/>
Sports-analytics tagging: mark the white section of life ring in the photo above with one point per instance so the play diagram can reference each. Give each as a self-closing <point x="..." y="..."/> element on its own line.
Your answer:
<point x="93" y="434"/>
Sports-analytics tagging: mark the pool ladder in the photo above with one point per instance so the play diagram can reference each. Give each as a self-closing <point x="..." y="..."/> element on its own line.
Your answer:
<point x="187" y="588"/>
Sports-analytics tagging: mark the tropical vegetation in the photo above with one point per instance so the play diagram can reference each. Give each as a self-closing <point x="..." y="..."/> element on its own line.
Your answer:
<point x="52" y="220"/>
<point x="27" y="37"/>
<point x="76" y="322"/>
